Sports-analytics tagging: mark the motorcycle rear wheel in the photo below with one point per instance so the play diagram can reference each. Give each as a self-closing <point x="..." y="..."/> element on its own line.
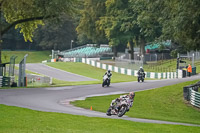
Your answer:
<point x="108" y="113"/>
<point x="122" y="111"/>
<point x="103" y="84"/>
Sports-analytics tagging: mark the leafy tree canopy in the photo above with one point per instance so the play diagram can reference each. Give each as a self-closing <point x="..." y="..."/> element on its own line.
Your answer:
<point x="28" y="14"/>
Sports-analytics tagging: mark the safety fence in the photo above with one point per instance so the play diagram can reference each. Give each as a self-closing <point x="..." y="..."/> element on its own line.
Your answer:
<point x="38" y="80"/>
<point x="191" y="94"/>
<point x="165" y="75"/>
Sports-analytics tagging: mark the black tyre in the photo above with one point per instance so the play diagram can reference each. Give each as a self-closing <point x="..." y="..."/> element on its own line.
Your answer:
<point x="142" y="80"/>
<point x="138" y="79"/>
<point x="103" y="84"/>
<point x="122" y="111"/>
<point x="108" y="83"/>
<point x="108" y="113"/>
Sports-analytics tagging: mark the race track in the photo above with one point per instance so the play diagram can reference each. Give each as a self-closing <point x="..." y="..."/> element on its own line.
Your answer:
<point x="56" y="99"/>
<point x="55" y="73"/>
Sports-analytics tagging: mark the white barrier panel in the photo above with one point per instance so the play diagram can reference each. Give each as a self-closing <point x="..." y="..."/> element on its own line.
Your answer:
<point x="83" y="60"/>
<point x="52" y="60"/>
<point x="116" y="69"/>
<point x="93" y="63"/>
<point x="110" y="67"/>
<point x="45" y="61"/>
<point x="98" y="64"/>
<point x="159" y="75"/>
<point x="103" y="66"/>
<point x="88" y="61"/>
<point x="172" y="75"/>
<point x="129" y="72"/>
<point x="180" y="73"/>
<point x="164" y="75"/>
<point x="152" y="75"/>
<point x="123" y="70"/>
<point x="135" y="73"/>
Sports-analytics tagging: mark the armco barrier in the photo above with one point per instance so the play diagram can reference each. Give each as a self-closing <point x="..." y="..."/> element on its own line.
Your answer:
<point x="167" y="75"/>
<point x="194" y="98"/>
<point x="191" y="94"/>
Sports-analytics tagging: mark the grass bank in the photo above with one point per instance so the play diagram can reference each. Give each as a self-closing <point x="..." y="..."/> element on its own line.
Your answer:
<point x="20" y="120"/>
<point x="33" y="56"/>
<point x="164" y="103"/>
<point x="88" y="71"/>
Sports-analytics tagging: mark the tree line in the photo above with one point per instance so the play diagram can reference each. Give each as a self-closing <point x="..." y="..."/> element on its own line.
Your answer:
<point x="136" y="22"/>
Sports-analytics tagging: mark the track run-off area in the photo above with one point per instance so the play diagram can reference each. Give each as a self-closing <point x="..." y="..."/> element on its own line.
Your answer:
<point x="57" y="99"/>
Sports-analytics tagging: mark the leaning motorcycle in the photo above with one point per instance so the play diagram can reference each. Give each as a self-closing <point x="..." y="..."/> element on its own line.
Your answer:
<point x="118" y="108"/>
<point x="141" y="76"/>
<point x="106" y="80"/>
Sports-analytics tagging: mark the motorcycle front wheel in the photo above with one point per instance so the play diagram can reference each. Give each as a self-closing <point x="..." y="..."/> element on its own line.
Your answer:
<point x="103" y="84"/>
<point x="138" y="79"/>
<point x="108" y="113"/>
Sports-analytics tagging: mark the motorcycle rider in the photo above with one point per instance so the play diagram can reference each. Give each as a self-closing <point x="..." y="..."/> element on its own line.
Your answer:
<point x="141" y="71"/>
<point x="108" y="73"/>
<point x="129" y="98"/>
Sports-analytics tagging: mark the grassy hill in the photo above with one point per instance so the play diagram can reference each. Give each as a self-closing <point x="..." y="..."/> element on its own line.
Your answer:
<point x="33" y="56"/>
<point x="165" y="103"/>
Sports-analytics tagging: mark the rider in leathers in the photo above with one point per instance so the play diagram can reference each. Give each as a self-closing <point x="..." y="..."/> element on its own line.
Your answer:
<point x="109" y="74"/>
<point x="129" y="98"/>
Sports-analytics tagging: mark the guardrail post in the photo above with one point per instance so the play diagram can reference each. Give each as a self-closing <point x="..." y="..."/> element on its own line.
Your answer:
<point x="186" y="93"/>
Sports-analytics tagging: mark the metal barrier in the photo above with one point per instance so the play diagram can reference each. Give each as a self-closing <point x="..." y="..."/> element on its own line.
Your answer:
<point x="22" y="73"/>
<point x="191" y="94"/>
<point x="194" y="98"/>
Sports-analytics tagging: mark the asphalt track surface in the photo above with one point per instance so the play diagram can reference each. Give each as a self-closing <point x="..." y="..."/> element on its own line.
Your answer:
<point x="56" y="73"/>
<point x="56" y="99"/>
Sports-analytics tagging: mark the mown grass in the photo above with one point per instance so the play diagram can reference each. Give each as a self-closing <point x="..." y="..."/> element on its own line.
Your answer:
<point x="20" y="120"/>
<point x="164" y="103"/>
<point x="90" y="71"/>
<point x="33" y="56"/>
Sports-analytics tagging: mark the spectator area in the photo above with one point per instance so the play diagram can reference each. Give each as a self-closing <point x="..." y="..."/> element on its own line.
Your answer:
<point x="86" y="51"/>
<point x="158" y="45"/>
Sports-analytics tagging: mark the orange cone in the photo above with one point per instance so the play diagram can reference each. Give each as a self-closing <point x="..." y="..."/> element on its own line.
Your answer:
<point x="91" y="108"/>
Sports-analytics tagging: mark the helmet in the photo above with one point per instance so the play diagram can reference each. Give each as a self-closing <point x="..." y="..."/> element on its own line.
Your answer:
<point x="108" y="70"/>
<point x="131" y="95"/>
<point x="141" y="67"/>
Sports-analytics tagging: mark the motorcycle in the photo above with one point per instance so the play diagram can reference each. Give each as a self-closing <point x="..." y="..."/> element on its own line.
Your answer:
<point x="106" y="81"/>
<point x="118" y="108"/>
<point x="141" y="76"/>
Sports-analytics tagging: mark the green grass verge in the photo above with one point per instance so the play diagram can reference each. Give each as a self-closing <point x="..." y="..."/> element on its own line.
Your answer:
<point x="57" y="82"/>
<point x="89" y="71"/>
<point x="20" y="120"/>
<point x="164" y="103"/>
<point x="33" y="56"/>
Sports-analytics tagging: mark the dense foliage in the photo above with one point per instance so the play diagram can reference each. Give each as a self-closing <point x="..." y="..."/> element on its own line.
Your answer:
<point x="27" y="15"/>
<point x="142" y="21"/>
<point x="117" y="22"/>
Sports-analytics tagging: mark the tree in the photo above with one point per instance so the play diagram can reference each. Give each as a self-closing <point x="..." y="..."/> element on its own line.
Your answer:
<point x="130" y="21"/>
<point x="55" y="36"/>
<point x="90" y="14"/>
<point x="180" y="22"/>
<point x="28" y="14"/>
<point x="147" y="14"/>
<point x="117" y="25"/>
